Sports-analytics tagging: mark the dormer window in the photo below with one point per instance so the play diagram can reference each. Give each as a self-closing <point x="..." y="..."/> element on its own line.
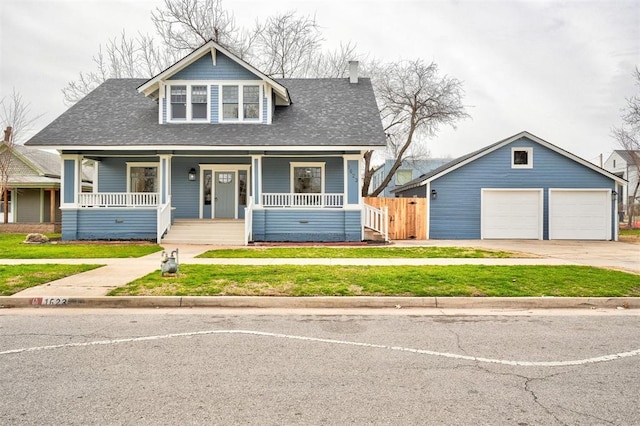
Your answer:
<point x="178" y="102"/>
<point x="522" y="158"/>
<point x="199" y="102"/>
<point x="241" y="103"/>
<point x="189" y="103"/>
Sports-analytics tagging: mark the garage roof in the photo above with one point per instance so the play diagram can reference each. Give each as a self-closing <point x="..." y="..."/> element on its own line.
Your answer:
<point x="468" y="158"/>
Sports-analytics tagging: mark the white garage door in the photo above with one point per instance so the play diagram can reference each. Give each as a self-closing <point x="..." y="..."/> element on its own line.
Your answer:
<point x="512" y="214"/>
<point x="579" y="214"/>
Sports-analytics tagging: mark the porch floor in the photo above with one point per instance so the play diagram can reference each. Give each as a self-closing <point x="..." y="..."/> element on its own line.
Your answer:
<point x="227" y="232"/>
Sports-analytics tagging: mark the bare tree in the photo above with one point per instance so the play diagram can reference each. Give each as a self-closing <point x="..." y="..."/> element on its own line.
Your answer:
<point x="15" y="118"/>
<point x="121" y="57"/>
<point x="334" y="63"/>
<point x="285" y="45"/>
<point x="628" y="136"/>
<point x="415" y="102"/>
<point x="184" y="25"/>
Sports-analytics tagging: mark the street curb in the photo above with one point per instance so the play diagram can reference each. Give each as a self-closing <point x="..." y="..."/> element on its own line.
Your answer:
<point x="322" y="302"/>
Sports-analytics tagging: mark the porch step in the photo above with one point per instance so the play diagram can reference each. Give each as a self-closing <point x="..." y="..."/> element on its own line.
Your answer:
<point x="227" y="232"/>
<point x="371" y="235"/>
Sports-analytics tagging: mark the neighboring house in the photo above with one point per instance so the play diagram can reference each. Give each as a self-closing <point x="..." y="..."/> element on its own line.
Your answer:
<point x="519" y="188"/>
<point x="621" y="163"/>
<point x="34" y="188"/>
<point x="211" y="137"/>
<point x="408" y="171"/>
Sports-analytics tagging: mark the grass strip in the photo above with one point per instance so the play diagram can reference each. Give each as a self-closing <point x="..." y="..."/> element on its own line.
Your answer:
<point x="15" y="278"/>
<point x="355" y="252"/>
<point x="312" y="280"/>
<point x="12" y="247"/>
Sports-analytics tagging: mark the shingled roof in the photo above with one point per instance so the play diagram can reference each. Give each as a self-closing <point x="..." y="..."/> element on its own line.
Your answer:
<point x="324" y="113"/>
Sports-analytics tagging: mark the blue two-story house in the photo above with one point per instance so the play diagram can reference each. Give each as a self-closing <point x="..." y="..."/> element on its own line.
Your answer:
<point x="212" y="139"/>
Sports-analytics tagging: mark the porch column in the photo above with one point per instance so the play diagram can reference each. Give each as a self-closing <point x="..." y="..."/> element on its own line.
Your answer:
<point x="256" y="163"/>
<point x="352" y="182"/>
<point x="165" y="178"/>
<point x="52" y="205"/>
<point x="70" y="179"/>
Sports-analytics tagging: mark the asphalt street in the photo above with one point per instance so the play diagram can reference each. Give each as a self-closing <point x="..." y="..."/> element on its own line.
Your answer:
<point x="386" y="366"/>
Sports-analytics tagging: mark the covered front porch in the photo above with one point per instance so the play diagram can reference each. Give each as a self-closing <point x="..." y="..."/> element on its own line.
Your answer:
<point x="299" y="197"/>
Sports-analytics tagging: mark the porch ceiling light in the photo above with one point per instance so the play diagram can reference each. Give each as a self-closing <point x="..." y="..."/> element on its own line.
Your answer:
<point x="192" y="174"/>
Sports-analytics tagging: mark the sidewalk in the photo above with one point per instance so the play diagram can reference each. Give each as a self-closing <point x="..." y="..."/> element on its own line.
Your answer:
<point x="89" y="288"/>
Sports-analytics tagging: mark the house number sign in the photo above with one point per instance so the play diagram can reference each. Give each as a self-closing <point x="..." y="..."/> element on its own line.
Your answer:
<point x="54" y="301"/>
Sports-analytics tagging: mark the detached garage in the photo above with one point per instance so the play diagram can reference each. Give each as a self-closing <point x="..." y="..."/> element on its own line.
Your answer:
<point x="519" y="188"/>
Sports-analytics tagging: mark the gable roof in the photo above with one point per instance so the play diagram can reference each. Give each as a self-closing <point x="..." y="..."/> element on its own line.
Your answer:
<point x="468" y="158"/>
<point x="151" y="86"/>
<point x="626" y="155"/>
<point x="42" y="162"/>
<point x="328" y="113"/>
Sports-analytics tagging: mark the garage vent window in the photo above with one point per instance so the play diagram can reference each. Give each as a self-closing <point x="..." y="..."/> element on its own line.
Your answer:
<point x="522" y="158"/>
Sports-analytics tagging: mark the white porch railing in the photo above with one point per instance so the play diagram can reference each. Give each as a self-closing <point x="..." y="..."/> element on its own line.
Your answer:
<point x="164" y="219"/>
<point x="302" y="200"/>
<point x="248" y="222"/>
<point x="376" y="219"/>
<point x="118" y="199"/>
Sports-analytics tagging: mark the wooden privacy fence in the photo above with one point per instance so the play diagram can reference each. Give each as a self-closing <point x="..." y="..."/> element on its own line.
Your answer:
<point x="407" y="216"/>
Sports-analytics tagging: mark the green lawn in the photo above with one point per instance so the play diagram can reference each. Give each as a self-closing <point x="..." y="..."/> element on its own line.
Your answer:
<point x="12" y="247"/>
<point x="15" y="278"/>
<point x="354" y="252"/>
<point x="464" y="280"/>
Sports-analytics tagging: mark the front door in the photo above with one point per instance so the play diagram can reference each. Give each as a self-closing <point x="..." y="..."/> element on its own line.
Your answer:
<point x="224" y="195"/>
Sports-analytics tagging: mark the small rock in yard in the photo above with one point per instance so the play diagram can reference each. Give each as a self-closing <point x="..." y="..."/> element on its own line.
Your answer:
<point x="36" y="239"/>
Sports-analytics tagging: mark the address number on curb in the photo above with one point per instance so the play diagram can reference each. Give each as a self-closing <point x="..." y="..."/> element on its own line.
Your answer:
<point x="55" y="301"/>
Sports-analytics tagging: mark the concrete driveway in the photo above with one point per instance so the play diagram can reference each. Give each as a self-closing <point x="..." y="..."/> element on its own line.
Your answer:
<point x="606" y="254"/>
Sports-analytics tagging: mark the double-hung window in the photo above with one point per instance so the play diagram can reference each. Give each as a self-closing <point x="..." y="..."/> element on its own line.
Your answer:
<point x="241" y="103"/>
<point x="189" y="102"/>
<point x="178" y="102"/>
<point x="199" y="102"/>
<point x="230" y="103"/>
<point x="142" y="177"/>
<point x="308" y="178"/>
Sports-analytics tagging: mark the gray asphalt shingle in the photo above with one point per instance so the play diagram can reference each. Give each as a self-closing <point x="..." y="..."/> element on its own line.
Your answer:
<point x="325" y="112"/>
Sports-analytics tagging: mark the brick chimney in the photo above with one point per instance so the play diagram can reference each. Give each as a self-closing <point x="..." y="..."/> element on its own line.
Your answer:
<point x="7" y="134"/>
<point x="353" y="72"/>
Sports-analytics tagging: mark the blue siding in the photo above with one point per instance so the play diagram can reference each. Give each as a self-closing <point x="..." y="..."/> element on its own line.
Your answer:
<point x="215" y="106"/>
<point x="276" y="173"/>
<point x="264" y="110"/>
<point x="109" y="224"/>
<point x="225" y="69"/>
<point x="69" y="225"/>
<point x="112" y="173"/>
<point x="164" y="107"/>
<point x="455" y="214"/>
<point x="69" y="181"/>
<point x="306" y="225"/>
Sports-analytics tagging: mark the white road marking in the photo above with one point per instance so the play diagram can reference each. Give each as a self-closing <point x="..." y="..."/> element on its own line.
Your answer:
<point x="604" y="358"/>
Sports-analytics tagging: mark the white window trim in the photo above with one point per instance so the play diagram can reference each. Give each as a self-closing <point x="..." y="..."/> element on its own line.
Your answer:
<point x="142" y="164"/>
<point x="293" y="165"/>
<point x="529" y="165"/>
<point x="189" y="113"/>
<point x="241" y="118"/>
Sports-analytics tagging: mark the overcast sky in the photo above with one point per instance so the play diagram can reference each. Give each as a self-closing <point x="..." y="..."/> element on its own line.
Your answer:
<point x="558" y="69"/>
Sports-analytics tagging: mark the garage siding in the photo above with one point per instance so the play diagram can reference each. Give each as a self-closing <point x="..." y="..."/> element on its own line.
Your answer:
<point x="456" y="213"/>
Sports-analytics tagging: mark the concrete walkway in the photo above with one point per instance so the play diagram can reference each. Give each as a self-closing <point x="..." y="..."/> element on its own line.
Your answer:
<point x="118" y="272"/>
